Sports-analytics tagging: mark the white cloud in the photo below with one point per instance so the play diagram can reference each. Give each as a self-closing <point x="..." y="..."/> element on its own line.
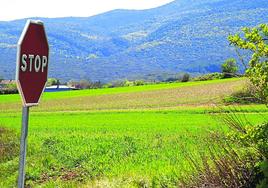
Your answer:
<point x="16" y="9"/>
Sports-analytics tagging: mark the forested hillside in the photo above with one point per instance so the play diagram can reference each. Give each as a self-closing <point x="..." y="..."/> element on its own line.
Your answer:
<point x="185" y="35"/>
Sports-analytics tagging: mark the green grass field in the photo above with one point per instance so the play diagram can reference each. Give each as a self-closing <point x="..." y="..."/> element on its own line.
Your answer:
<point x="120" y="137"/>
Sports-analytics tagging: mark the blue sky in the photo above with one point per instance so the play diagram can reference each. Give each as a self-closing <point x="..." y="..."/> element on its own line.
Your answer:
<point x="16" y="9"/>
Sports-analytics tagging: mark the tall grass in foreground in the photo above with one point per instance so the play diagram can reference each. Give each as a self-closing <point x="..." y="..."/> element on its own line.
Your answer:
<point x="242" y="161"/>
<point x="9" y="143"/>
<point x="112" y="149"/>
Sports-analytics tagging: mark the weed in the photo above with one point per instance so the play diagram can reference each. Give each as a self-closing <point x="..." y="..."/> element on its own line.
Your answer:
<point x="9" y="143"/>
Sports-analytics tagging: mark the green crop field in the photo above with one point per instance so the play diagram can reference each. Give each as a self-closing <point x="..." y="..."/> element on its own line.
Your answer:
<point x="120" y="137"/>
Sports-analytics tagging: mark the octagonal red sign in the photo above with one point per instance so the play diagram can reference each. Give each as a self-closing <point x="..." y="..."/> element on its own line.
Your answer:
<point x="32" y="62"/>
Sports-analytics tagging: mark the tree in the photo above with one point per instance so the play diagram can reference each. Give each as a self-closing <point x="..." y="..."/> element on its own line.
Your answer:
<point x="138" y="83"/>
<point x="185" y="77"/>
<point x="84" y="84"/>
<point x="229" y="68"/>
<point x="52" y="81"/>
<point x="254" y="41"/>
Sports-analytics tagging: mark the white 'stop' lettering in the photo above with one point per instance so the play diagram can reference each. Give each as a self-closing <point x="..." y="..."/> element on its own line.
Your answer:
<point x="35" y="63"/>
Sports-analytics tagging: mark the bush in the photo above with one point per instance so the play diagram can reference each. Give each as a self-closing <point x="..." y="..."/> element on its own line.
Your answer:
<point x="244" y="96"/>
<point x="238" y="159"/>
<point x="52" y="81"/>
<point x="9" y="89"/>
<point x="229" y="68"/>
<point x="254" y="140"/>
<point x="139" y="82"/>
<point x="212" y="76"/>
<point x="125" y="83"/>
<point x="84" y="84"/>
<point x="263" y="183"/>
<point x="254" y="41"/>
<point x="117" y="84"/>
<point x="255" y="137"/>
<point x="185" y="77"/>
<point x="172" y="79"/>
<point x="225" y="168"/>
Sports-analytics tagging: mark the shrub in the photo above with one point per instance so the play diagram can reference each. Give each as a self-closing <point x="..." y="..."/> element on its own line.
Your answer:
<point x="127" y="83"/>
<point x="84" y="84"/>
<point x="245" y="96"/>
<point x="212" y="76"/>
<point x="9" y="89"/>
<point x="139" y="82"/>
<point x="172" y="79"/>
<point x="229" y="68"/>
<point x="264" y="169"/>
<point x="238" y="159"/>
<point x="52" y="81"/>
<point x="117" y="84"/>
<point x="221" y="169"/>
<point x="254" y="140"/>
<point x="185" y="77"/>
<point x="254" y="41"/>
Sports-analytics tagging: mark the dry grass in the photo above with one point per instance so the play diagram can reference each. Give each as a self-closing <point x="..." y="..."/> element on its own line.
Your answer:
<point x="194" y="95"/>
<point x="222" y="169"/>
<point x="197" y="95"/>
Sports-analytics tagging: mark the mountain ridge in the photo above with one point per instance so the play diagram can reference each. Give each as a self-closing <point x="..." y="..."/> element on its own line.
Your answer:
<point x="182" y="36"/>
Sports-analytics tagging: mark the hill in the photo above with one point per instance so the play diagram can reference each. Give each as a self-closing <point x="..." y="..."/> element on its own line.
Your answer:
<point x="184" y="35"/>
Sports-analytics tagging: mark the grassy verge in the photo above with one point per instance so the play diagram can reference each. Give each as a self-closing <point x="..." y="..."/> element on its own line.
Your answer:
<point x="137" y="146"/>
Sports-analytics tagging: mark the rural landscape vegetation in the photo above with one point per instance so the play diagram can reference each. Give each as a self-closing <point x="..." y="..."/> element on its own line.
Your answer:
<point x="182" y="102"/>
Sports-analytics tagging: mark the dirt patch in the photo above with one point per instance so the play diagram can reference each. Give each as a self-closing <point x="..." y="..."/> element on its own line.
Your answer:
<point x="75" y="174"/>
<point x="207" y="94"/>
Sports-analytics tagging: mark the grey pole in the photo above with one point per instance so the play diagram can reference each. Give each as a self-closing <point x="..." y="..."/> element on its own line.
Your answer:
<point x="23" y="146"/>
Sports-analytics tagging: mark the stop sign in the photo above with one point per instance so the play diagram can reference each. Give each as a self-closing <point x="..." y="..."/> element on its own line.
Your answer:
<point x="32" y="62"/>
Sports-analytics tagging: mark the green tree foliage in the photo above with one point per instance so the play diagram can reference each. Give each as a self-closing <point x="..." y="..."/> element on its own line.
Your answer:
<point x="84" y="84"/>
<point x="52" y="81"/>
<point x="185" y="77"/>
<point x="254" y="40"/>
<point x="211" y="76"/>
<point x="229" y="68"/>
<point x="138" y="82"/>
<point x="11" y="86"/>
<point x="256" y="137"/>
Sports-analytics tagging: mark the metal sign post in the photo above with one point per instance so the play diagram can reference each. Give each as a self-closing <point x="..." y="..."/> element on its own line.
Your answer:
<point x="31" y="78"/>
<point x="23" y="145"/>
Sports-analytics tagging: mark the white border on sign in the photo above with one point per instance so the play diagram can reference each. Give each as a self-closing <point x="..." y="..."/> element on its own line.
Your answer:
<point x="18" y="60"/>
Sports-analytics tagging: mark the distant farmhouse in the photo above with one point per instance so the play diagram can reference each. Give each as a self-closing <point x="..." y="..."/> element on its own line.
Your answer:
<point x="6" y="89"/>
<point x="57" y="88"/>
